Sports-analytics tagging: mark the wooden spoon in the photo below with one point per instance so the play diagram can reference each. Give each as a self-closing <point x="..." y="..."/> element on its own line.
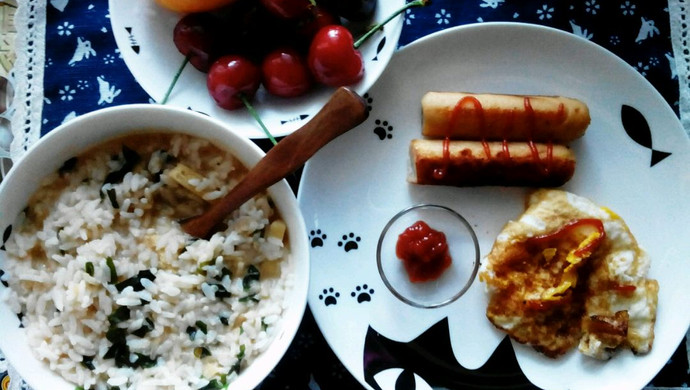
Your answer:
<point x="343" y="111"/>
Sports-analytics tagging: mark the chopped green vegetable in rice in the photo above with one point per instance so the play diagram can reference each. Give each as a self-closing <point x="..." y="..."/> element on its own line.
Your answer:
<point x="111" y="268"/>
<point x="252" y="275"/>
<point x="88" y="268"/>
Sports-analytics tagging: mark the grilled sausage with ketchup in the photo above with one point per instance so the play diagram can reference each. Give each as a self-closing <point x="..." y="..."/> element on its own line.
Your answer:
<point x="477" y="163"/>
<point x="497" y="117"/>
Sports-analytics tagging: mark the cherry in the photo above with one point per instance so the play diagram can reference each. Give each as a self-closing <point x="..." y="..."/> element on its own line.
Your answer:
<point x="195" y="37"/>
<point x="316" y="18"/>
<point x="333" y="56"/>
<point x="353" y="10"/>
<point x="287" y="9"/>
<point x="285" y="73"/>
<point x="231" y="80"/>
<point x="259" y="32"/>
<point x="333" y="59"/>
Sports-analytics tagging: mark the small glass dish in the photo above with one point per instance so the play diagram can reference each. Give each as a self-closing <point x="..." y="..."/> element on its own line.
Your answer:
<point x="462" y="246"/>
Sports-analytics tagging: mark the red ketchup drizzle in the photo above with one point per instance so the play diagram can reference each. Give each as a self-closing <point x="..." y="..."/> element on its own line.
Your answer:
<point x="625" y="289"/>
<point x="440" y="173"/>
<point x="506" y="150"/>
<point x="423" y="251"/>
<point x="561" y="113"/>
<point x="567" y="237"/>
<point x="549" y="156"/>
<point x="509" y="128"/>
<point x="531" y="122"/>
<point x="487" y="149"/>
<point x="573" y="232"/>
<point x="569" y="228"/>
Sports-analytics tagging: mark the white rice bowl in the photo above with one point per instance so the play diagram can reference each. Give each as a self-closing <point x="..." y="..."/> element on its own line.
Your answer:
<point x="38" y="351"/>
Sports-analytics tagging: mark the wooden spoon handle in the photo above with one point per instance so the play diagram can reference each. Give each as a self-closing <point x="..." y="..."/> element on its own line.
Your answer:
<point x="343" y="111"/>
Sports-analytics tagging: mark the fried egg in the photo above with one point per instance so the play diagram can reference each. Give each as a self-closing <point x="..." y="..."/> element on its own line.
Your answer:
<point x="570" y="273"/>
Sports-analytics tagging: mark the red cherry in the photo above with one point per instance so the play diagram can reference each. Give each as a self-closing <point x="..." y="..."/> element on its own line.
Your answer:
<point x="285" y="73"/>
<point x="352" y="10"/>
<point x="231" y="76"/>
<point x="332" y="59"/>
<point x="195" y="37"/>
<point x="316" y="18"/>
<point x="287" y="9"/>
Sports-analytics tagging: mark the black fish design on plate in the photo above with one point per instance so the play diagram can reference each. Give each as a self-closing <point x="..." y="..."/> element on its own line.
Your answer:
<point x="381" y="45"/>
<point x="132" y="41"/>
<point x="637" y="128"/>
<point x="200" y="112"/>
<point x="430" y="357"/>
<point x="295" y="119"/>
<point x="6" y="236"/>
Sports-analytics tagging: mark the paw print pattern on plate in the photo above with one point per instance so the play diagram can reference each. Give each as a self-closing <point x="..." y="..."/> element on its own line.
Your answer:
<point x="316" y="238"/>
<point x="383" y="129"/>
<point x="329" y="296"/>
<point x="368" y="99"/>
<point x="349" y="242"/>
<point x="363" y="293"/>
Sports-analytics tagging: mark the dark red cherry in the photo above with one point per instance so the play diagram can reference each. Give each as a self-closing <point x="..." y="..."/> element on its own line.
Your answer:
<point x="285" y="73"/>
<point x="254" y="31"/>
<point x="353" y="10"/>
<point x="287" y="9"/>
<point x="229" y="78"/>
<point x="316" y="18"/>
<point x="195" y="37"/>
<point x="332" y="59"/>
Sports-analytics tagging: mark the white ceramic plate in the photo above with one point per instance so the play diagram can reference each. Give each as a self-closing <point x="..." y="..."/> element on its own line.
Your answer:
<point x="143" y="32"/>
<point x="350" y="190"/>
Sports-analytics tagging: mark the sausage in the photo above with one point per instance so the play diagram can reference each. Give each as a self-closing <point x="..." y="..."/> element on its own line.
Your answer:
<point x="497" y="117"/>
<point x="480" y="163"/>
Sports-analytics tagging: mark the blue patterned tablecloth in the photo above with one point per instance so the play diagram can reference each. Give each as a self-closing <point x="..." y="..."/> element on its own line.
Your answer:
<point x="84" y="71"/>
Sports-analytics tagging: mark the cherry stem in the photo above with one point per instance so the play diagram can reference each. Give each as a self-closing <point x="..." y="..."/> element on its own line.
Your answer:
<point x="255" y="115"/>
<point x="245" y="101"/>
<point x="174" y="81"/>
<point x="372" y="31"/>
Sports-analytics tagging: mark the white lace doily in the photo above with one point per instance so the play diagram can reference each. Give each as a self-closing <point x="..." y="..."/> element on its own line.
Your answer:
<point x="679" y="11"/>
<point x="27" y="76"/>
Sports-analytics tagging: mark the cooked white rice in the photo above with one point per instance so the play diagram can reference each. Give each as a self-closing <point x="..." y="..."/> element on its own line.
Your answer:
<point x="196" y="300"/>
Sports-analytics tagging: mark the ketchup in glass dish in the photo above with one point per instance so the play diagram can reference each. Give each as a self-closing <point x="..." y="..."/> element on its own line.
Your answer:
<point x="427" y="255"/>
<point x="423" y="251"/>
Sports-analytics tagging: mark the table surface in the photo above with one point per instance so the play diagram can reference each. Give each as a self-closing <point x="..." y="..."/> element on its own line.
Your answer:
<point x="635" y="30"/>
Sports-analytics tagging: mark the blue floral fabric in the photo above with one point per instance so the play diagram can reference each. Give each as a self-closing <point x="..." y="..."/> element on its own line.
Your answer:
<point x="84" y="71"/>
